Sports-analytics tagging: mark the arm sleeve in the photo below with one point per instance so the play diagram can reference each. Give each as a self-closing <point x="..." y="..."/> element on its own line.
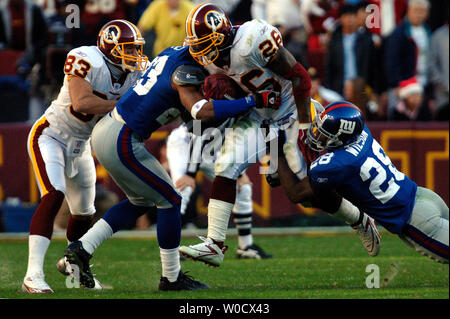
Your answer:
<point x="324" y="177"/>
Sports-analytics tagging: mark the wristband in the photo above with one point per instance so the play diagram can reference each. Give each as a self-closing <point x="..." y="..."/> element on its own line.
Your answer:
<point x="226" y="108"/>
<point x="197" y="107"/>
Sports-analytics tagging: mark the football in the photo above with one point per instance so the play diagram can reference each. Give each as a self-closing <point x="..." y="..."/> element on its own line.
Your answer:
<point x="220" y="87"/>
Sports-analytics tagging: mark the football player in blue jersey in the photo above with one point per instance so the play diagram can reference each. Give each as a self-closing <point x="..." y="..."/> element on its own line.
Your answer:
<point x="168" y="88"/>
<point x="356" y="167"/>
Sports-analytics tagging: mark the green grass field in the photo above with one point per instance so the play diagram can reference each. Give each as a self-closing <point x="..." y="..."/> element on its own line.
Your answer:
<point x="328" y="266"/>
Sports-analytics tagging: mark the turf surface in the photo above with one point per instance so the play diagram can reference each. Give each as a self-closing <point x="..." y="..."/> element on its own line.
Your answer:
<point x="330" y="266"/>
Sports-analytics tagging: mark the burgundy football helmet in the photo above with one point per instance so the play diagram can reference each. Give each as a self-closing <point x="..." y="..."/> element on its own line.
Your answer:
<point x="115" y="39"/>
<point x="208" y="30"/>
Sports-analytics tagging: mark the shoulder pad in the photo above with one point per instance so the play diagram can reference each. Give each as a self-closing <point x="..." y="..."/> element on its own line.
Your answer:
<point x="187" y="74"/>
<point x="90" y="54"/>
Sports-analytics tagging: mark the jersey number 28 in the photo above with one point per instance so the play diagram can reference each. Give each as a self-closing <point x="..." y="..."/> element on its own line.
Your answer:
<point x="381" y="174"/>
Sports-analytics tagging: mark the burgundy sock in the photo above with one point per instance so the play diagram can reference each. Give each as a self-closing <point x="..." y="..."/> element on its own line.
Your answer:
<point x="224" y="189"/>
<point x="44" y="216"/>
<point x="78" y="226"/>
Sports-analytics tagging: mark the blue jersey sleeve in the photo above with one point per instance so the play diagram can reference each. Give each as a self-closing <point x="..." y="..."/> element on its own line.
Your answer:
<point x="324" y="174"/>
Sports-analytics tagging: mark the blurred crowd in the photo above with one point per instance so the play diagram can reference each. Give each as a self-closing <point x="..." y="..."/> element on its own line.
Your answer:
<point x="389" y="57"/>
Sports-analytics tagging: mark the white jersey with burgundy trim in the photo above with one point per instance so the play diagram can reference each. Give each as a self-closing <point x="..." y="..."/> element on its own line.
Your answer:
<point x="255" y="44"/>
<point x="86" y="62"/>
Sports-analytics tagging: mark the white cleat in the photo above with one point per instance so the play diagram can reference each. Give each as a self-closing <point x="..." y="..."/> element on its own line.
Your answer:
<point x="64" y="268"/>
<point x="207" y="252"/>
<point x="370" y="237"/>
<point x="98" y="285"/>
<point x="35" y="284"/>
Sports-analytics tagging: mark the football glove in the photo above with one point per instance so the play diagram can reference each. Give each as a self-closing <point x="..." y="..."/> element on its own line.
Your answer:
<point x="273" y="180"/>
<point x="267" y="99"/>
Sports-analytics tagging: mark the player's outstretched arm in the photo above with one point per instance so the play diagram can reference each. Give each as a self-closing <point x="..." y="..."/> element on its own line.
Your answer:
<point x="202" y="109"/>
<point x="285" y="64"/>
<point x="302" y="191"/>
<point x="192" y="100"/>
<point x="298" y="191"/>
<point x="84" y="100"/>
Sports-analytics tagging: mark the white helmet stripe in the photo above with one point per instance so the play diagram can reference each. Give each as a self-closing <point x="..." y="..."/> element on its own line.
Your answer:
<point x="194" y="19"/>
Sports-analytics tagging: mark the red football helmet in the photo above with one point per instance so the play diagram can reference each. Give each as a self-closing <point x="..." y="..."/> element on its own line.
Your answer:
<point x="208" y="29"/>
<point x="115" y="40"/>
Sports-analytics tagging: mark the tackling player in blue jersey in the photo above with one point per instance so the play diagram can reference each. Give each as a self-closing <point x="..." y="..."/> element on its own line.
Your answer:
<point x="168" y="88"/>
<point x="357" y="168"/>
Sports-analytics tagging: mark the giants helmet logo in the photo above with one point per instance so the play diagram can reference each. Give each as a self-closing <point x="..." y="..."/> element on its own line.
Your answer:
<point x="214" y="20"/>
<point x="347" y="126"/>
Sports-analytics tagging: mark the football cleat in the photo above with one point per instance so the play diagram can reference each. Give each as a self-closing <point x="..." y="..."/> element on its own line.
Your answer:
<point x="64" y="268"/>
<point x="184" y="282"/>
<point x="207" y="252"/>
<point x="35" y="284"/>
<point x="76" y="255"/>
<point x="368" y="232"/>
<point x="252" y="252"/>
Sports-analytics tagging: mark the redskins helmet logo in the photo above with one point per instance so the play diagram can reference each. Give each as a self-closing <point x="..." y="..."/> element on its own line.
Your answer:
<point x="214" y="20"/>
<point x="111" y="35"/>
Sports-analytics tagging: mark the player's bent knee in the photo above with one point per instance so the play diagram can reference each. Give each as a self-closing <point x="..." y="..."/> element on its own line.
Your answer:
<point x="82" y="217"/>
<point x="58" y="188"/>
<point x="84" y="212"/>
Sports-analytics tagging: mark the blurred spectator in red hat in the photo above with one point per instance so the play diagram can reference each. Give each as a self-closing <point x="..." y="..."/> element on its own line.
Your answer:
<point x="411" y="106"/>
<point x="407" y="51"/>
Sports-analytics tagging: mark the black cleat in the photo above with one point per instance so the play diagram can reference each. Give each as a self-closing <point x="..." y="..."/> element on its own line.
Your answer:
<point x="76" y="255"/>
<point x="252" y="252"/>
<point x="184" y="282"/>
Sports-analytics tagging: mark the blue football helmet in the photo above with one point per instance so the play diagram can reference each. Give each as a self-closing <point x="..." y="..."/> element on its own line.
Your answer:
<point x="340" y="124"/>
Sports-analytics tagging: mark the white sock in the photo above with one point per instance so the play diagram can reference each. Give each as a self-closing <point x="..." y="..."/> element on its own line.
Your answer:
<point x="347" y="212"/>
<point x="170" y="260"/>
<point x="218" y="217"/>
<point x="37" y="247"/>
<point x="98" y="233"/>
<point x="245" y="241"/>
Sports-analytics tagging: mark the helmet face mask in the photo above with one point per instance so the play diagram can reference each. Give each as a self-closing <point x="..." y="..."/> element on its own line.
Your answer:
<point x="205" y="50"/>
<point x="115" y="40"/>
<point x="319" y="139"/>
<point x="207" y="29"/>
<point x="133" y="62"/>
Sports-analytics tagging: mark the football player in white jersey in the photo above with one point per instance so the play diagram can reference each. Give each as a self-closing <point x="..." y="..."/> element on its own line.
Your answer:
<point x="254" y="56"/>
<point x="58" y="143"/>
<point x="189" y="152"/>
<point x="184" y="155"/>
